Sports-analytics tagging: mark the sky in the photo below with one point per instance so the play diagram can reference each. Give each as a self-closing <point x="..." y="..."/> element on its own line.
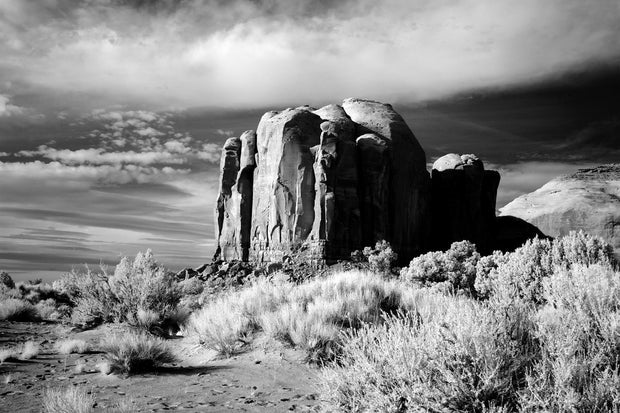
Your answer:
<point x="113" y="112"/>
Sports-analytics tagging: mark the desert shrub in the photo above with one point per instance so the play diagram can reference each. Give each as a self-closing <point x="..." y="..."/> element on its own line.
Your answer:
<point x="136" y="352"/>
<point x="307" y="316"/>
<point x="447" y="354"/>
<point x="141" y="293"/>
<point x="191" y="286"/>
<point x="524" y="270"/>
<point x="71" y="399"/>
<point x="13" y="309"/>
<point x="453" y="270"/>
<point x="579" y="335"/>
<point x="6" y="280"/>
<point x="380" y="259"/>
<point x="144" y="285"/>
<point x="69" y="346"/>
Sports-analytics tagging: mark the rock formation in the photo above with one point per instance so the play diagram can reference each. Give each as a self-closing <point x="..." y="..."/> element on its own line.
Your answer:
<point x="464" y="195"/>
<point x="409" y="181"/>
<point x="325" y="182"/>
<point x="227" y="217"/>
<point x="587" y="200"/>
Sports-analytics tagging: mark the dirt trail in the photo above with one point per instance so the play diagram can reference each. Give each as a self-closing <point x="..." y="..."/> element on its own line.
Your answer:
<point x="265" y="379"/>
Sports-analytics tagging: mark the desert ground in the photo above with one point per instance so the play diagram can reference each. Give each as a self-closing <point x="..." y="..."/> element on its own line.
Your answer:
<point x="260" y="380"/>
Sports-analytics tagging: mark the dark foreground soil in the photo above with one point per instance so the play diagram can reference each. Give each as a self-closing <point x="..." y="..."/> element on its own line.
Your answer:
<point x="265" y="379"/>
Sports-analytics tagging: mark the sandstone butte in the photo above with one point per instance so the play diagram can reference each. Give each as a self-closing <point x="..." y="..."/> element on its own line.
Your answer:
<point x="318" y="184"/>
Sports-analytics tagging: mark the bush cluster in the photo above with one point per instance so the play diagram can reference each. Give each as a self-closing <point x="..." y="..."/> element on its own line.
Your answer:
<point x="140" y="292"/>
<point x="539" y="331"/>
<point x="380" y="259"/>
<point x="30" y="301"/>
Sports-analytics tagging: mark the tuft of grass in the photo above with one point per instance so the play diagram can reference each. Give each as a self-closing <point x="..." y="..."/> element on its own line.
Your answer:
<point x="68" y="400"/>
<point x="69" y="346"/>
<point x="8" y="354"/>
<point x="136" y="352"/>
<point x="13" y="309"/>
<point x="104" y="368"/>
<point x="29" y="350"/>
<point x="80" y="366"/>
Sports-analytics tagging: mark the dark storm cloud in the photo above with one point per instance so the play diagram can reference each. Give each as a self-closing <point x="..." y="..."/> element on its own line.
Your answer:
<point x="249" y="53"/>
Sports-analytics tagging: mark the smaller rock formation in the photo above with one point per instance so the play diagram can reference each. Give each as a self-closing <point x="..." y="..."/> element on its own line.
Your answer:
<point x="463" y="199"/>
<point x="588" y="200"/>
<point x="226" y="218"/>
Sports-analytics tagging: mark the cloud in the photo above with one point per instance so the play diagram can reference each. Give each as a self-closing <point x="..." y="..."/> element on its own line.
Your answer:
<point x="246" y="53"/>
<point x="98" y="156"/>
<point x="57" y="172"/>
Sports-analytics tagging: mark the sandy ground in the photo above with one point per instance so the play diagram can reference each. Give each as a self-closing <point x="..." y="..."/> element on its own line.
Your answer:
<point x="267" y="378"/>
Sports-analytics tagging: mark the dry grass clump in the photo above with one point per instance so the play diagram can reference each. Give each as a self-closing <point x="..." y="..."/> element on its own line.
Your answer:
<point x="13" y="309"/>
<point x="69" y="346"/>
<point x="308" y="316"/>
<point x="24" y="351"/>
<point x="136" y="352"/>
<point x="72" y="399"/>
<point x="29" y="350"/>
<point x="8" y="354"/>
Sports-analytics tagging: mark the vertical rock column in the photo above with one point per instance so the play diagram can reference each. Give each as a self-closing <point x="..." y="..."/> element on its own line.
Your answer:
<point x="238" y="246"/>
<point x="409" y="184"/>
<point x="283" y="204"/>
<point x="225" y="216"/>
<point x="336" y="228"/>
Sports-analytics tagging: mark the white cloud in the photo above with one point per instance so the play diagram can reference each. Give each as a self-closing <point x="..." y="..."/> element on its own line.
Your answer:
<point x="88" y="175"/>
<point x="8" y="109"/>
<point x="238" y="53"/>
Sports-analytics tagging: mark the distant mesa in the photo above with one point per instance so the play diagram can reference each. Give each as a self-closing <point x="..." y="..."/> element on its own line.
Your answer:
<point x="319" y="184"/>
<point x="587" y="200"/>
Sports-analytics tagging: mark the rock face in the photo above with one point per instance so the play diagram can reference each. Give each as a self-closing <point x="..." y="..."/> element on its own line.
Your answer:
<point x="588" y="200"/>
<point x="336" y="228"/>
<point x="283" y="210"/>
<point x="464" y="196"/>
<point x="321" y="183"/>
<point x="409" y="183"/>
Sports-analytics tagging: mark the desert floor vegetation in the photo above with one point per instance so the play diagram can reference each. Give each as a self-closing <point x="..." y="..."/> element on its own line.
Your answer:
<point x="136" y="352"/>
<point x="71" y="399"/>
<point x="141" y="293"/>
<point x="308" y="316"/>
<point x="14" y="309"/>
<point x="68" y="346"/>
<point x="533" y="330"/>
